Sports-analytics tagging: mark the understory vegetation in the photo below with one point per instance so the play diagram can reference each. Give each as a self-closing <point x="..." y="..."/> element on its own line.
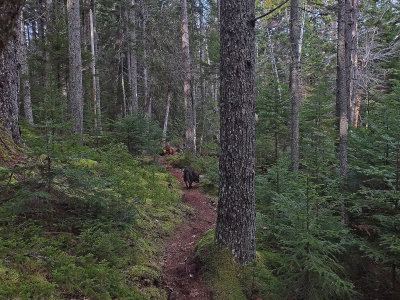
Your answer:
<point x="84" y="221"/>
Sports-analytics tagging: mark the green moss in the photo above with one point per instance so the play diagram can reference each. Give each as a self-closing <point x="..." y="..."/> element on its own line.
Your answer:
<point x="84" y="163"/>
<point x="231" y="281"/>
<point x="8" y="149"/>
<point x="94" y="233"/>
<point x="220" y="270"/>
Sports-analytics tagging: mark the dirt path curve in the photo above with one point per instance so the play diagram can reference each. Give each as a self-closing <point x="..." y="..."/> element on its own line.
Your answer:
<point x="181" y="277"/>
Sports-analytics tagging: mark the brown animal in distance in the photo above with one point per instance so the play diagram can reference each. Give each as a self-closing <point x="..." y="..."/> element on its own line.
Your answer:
<point x="168" y="150"/>
<point x="190" y="176"/>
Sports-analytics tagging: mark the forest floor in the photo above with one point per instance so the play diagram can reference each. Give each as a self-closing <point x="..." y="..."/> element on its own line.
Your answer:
<point x="182" y="279"/>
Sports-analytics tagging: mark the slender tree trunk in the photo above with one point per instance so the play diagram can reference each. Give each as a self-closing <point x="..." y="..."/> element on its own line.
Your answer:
<point x="190" y="133"/>
<point x="295" y="88"/>
<point x="352" y="57"/>
<point x="144" y="62"/>
<point x="302" y="25"/>
<point x="202" y="75"/>
<point x="124" y="107"/>
<point x="96" y="81"/>
<point x="149" y="106"/>
<point x="165" y="128"/>
<point x="9" y="85"/>
<point x="75" y="95"/>
<point x="342" y="93"/>
<point x="26" y="86"/>
<point x="273" y="62"/>
<point x="357" y="108"/>
<point x="236" y="205"/>
<point x="132" y="59"/>
<point x="47" y="81"/>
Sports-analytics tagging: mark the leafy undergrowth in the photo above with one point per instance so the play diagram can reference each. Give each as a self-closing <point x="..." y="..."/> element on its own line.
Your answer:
<point x="231" y="281"/>
<point x="85" y="222"/>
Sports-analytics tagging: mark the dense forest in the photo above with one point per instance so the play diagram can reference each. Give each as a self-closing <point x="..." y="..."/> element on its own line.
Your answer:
<point x="284" y="115"/>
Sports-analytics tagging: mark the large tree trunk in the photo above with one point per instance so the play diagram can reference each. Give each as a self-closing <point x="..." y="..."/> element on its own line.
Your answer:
<point x="75" y="98"/>
<point x="295" y="89"/>
<point x="236" y="205"/>
<point x="9" y="86"/>
<point x="26" y="86"/>
<point x="96" y="81"/>
<point x="342" y="91"/>
<point x="190" y="133"/>
<point x="9" y="14"/>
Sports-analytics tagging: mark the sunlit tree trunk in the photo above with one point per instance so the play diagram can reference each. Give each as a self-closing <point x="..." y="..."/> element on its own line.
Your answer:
<point x="352" y="59"/>
<point x="165" y="127"/>
<point x="75" y="95"/>
<point x="95" y="75"/>
<point x="190" y="133"/>
<point x="236" y="204"/>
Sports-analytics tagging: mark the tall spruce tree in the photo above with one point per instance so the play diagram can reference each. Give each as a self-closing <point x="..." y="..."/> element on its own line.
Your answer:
<point x="236" y="205"/>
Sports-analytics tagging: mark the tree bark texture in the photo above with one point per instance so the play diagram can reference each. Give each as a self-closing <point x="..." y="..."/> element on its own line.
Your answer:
<point x="96" y="81"/>
<point x="26" y="86"/>
<point x="352" y="57"/>
<point x="144" y="61"/>
<point x="165" y="127"/>
<point x="295" y="89"/>
<point x="9" y="14"/>
<point x="190" y="133"/>
<point x="9" y="85"/>
<point x="236" y="206"/>
<point x="133" y="81"/>
<point x="75" y="95"/>
<point x="342" y="88"/>
<point x="49" y="29"/>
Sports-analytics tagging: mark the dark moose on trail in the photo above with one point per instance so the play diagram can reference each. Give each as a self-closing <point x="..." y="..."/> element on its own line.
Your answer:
<point x="200" y="149"/>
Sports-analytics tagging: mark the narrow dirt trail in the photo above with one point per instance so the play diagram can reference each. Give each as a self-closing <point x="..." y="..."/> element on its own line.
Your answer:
<point x="181" y="276"/>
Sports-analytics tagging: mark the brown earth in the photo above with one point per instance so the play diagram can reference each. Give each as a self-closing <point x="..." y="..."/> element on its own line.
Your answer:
<point x="181" y="272"/>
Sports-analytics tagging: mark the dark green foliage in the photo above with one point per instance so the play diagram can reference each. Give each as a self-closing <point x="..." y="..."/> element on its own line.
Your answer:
<point x="302" y="224"/>
<point x="375" y="211"/>
<point x="140" y="134"/>
<point x="183" y="160"/>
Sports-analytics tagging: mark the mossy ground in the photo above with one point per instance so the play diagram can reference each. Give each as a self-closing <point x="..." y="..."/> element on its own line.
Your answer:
<point x="8" y="149"/>
<point x="90" y="225"/>
<point x="231" y="281"/>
